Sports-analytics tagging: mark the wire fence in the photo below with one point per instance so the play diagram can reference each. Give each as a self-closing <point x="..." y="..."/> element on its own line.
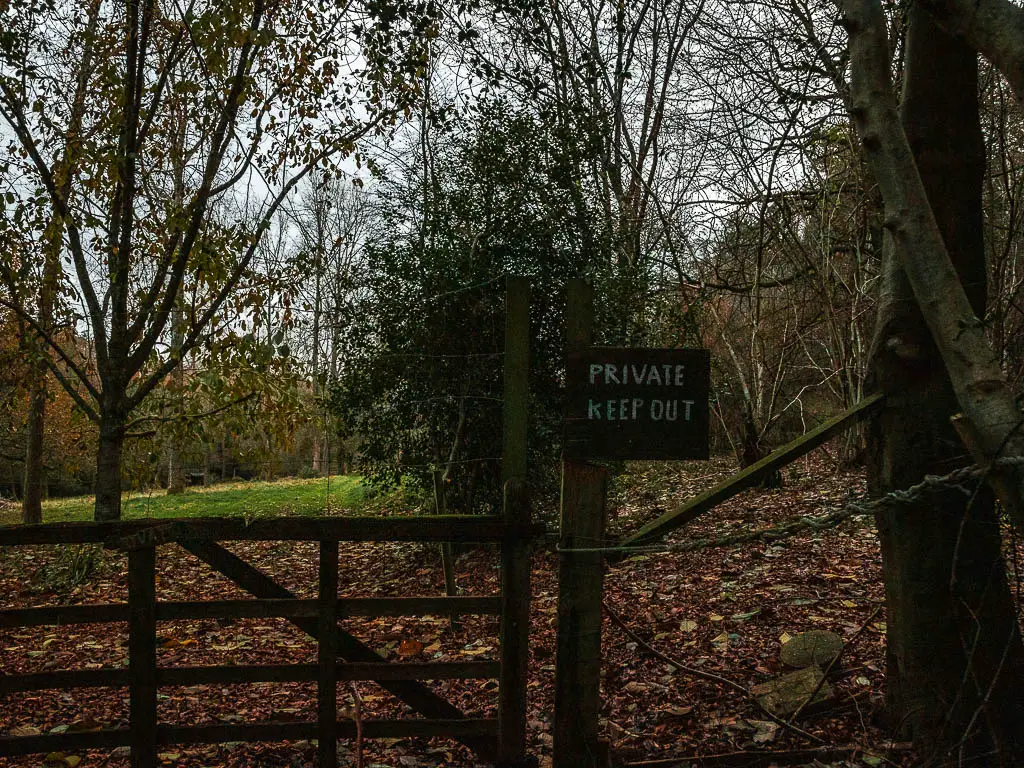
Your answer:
<point x="329" y="464"/>
<point x="206" y="465"/>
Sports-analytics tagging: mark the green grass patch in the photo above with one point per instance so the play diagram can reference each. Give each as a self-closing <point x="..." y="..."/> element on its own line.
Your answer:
<point x="316" y="496"/>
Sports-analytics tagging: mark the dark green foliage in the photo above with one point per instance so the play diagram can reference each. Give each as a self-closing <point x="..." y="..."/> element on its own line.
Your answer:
<point x="425" y="347"/>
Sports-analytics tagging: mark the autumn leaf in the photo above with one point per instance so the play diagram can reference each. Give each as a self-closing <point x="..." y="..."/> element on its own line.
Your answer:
<point x="60" y="760"/>
<point x="410" y="647"/>
<point x="176" y="643"/>
<point x="745" y="616"/>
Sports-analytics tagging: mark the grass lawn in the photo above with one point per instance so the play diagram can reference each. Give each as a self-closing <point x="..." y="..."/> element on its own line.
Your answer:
<point x="250" y="499"/>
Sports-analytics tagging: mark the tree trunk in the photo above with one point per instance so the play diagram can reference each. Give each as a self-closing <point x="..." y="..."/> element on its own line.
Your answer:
<point x="35" y="472"/>
<point x="955" y="658"/>
<point x="991" y="412"/>
<point x="175" y="470"/>
<point x="317" y="311"/>
<point x="35" y="476"/>
<point x="108" y="468"/>
<point x="752" y="450"/>
<point x="317" y="450"/>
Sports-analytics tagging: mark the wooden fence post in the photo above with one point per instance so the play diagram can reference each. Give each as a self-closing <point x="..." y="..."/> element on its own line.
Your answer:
<point x="142" y="656"/>
<point x="580" y="583"/>
<point x="515" y="630"/>
<point x="515" y="554"/>
<point x="327" y="657"/>
<point x="517" y="378"/>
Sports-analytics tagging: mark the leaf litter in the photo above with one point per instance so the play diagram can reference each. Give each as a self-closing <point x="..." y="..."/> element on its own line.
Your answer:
<point x="725" y="612"/>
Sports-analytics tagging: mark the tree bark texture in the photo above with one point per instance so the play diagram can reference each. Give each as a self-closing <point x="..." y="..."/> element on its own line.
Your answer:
<point x="995" y="28"/>
<point x="175" y="469"/>
<point x="955" y="658"/>
<point x="981" y="390"/>
<point x="108" y="467"/>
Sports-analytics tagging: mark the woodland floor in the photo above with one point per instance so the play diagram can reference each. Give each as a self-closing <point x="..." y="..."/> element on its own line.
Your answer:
<point x="722" y="611"/>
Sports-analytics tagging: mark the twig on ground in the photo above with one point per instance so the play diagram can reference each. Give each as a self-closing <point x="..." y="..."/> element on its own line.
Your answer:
<point x="752" y="758"/>
<point x="832" y="663"/>
<point x="710" y="676"/>
<point x="357" y="711"/>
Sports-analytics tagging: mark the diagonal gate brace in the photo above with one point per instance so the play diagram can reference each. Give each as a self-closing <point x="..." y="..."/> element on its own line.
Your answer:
<point x="752" y="475"/>
<point x="349" y="648"/>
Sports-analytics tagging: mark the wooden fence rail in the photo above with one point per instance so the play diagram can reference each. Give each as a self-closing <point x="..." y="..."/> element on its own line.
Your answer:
<point x="340" y="656"/>
<point x="135" y="534"/>
<point x="62" y="615"/>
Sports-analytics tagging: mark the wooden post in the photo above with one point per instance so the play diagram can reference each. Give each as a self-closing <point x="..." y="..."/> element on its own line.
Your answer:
<point x="515" y="554"/>
<point x="327" y="657"/>
<point x="517" y="378"/>
<point x="580" y="583"/>
<point x="142" y="656"/>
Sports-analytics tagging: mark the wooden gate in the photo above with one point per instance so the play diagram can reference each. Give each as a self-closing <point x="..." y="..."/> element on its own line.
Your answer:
<point x="340" y="656"/>
<point x="583" y="549"/>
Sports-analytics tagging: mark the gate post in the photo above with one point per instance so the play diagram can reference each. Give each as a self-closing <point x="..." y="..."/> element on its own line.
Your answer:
<point x="515" y="552"/>
<point x="327" y="656"/>
<point x="142" y="656"/>
<point x="580" y="583"/>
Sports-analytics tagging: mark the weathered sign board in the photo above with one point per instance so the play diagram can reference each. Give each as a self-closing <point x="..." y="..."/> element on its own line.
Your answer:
<point x="629" y="403"/>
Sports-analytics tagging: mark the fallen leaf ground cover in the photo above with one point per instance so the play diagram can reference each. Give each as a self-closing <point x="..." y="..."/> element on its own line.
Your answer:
<point x="722" y="612"/>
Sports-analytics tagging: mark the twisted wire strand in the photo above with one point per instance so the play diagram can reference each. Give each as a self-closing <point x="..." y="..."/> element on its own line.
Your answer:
<point x="914" y="493"/>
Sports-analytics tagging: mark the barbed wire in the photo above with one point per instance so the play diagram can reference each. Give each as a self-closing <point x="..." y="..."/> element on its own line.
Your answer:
<point x="915" y="493"/>
<point x="445" y="462"/>
<point x="463" y="289"/>
<point x="298" y="309"/>
<point x="430" y="356"/>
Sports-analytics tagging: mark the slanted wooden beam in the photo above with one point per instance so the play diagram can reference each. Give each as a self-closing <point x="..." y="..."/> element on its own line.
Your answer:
<point x="752" y="475"/>
<point x="351" y="649"/>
